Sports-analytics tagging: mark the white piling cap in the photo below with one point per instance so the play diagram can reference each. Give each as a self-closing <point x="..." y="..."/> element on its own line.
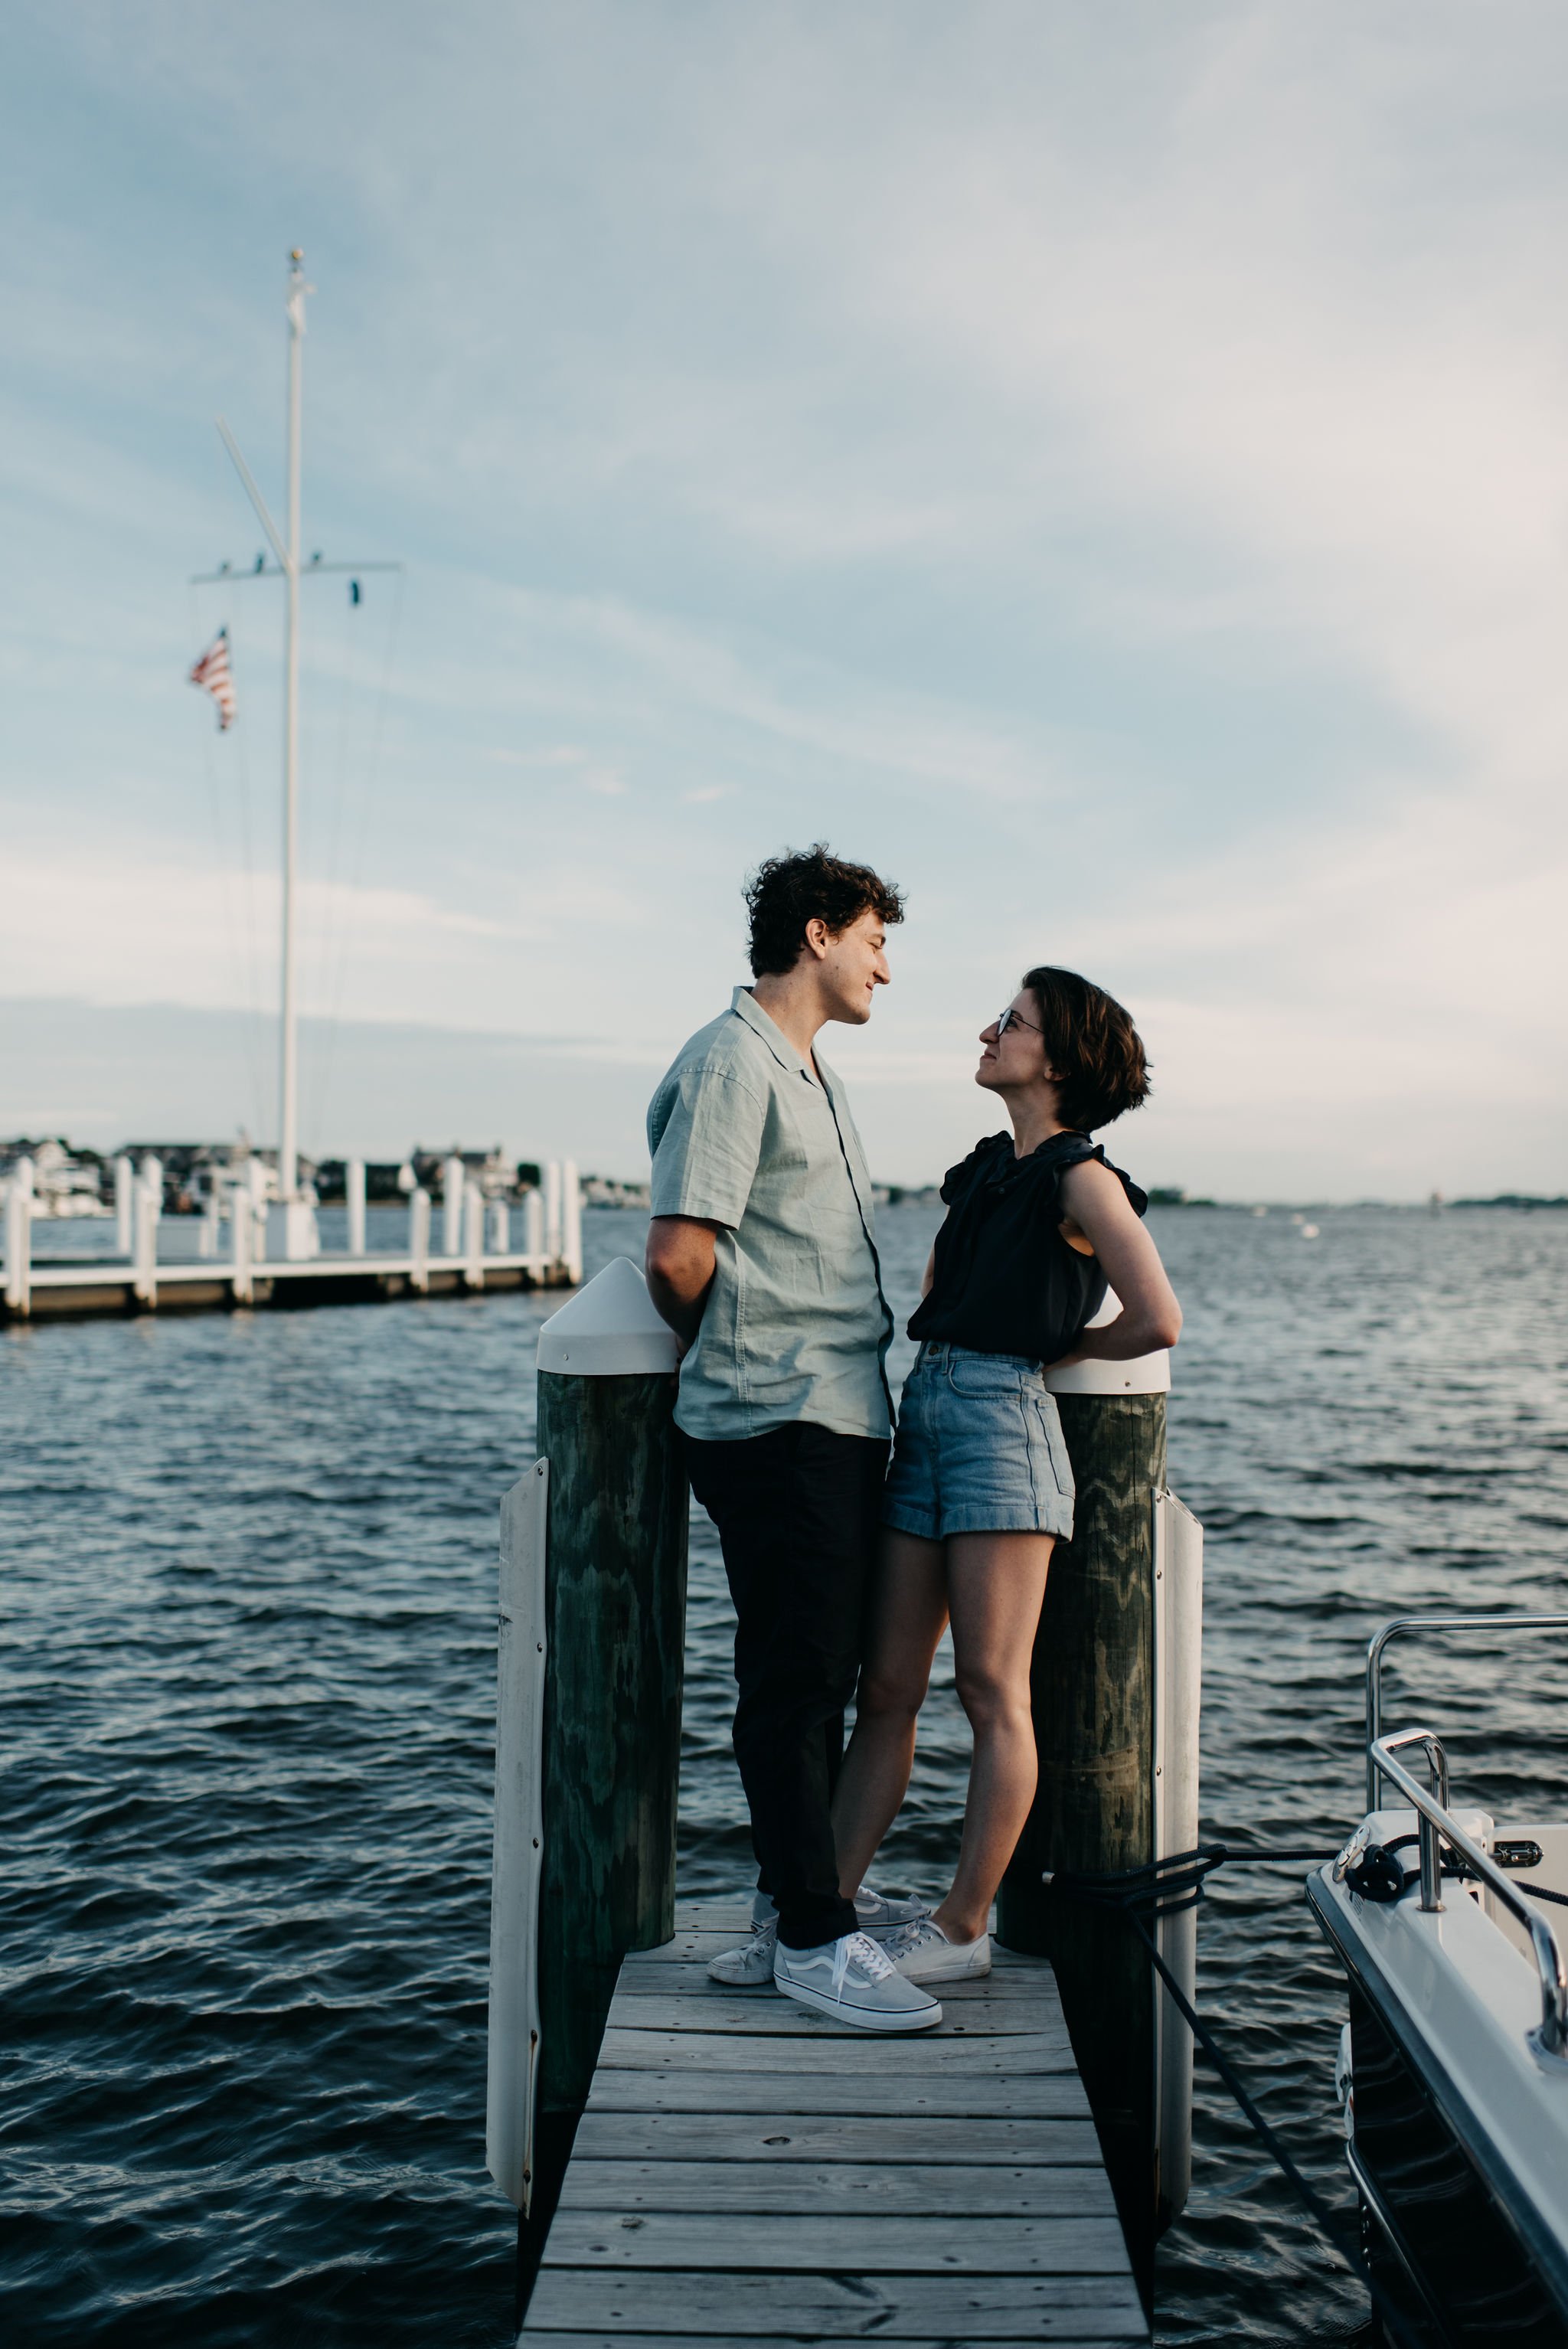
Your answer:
<point x="610" y="1329"/>
<point x="1144" y="1374"/>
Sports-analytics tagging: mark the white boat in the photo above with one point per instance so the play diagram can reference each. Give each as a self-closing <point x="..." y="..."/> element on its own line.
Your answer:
<point x="1454" y="2064"/>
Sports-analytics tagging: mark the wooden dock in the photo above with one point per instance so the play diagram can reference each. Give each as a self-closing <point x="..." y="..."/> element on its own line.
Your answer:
<point x="747" y="2173"/>
<point x="88" y="1285"/>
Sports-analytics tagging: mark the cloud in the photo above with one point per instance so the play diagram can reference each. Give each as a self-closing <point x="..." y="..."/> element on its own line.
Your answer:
<point x="1126" y="499"/>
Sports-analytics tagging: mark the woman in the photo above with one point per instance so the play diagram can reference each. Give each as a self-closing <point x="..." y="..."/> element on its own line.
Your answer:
<point x="1039" y="1224"/>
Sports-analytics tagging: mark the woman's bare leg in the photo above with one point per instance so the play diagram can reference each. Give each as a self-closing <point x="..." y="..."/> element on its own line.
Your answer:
<point x="909" y="1613"/>
<point x="996" y="1585"/>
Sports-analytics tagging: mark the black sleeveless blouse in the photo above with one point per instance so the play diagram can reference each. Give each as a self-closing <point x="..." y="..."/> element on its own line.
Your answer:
<point x="1007" y="1282"/>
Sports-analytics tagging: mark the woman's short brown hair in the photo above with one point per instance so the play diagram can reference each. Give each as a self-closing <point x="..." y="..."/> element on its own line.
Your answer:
<point x="1091" y="1042"/>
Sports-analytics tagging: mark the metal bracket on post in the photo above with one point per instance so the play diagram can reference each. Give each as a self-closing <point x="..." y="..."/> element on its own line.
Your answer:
<point x="513" y="2045"/>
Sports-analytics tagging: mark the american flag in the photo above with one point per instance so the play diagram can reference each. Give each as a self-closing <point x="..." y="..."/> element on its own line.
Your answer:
<point x="211" y="673"/>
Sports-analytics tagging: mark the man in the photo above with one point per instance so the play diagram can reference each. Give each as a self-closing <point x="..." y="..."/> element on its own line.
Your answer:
<point x="760" y="1258"/>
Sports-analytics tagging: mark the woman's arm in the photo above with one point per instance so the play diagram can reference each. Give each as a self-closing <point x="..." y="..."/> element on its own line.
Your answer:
<point x="929" y="1274"/>
<point x="1098" y="1208"/>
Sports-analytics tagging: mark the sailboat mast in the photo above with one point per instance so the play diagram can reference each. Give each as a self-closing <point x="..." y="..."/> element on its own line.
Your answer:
<point x="298" y="1217"/>
<point x="288" y="1055"/>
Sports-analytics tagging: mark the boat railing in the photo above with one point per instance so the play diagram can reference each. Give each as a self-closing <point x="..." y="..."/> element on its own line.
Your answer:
<point x="1438" y="1826"/>
<point x="1404" y="1626"/>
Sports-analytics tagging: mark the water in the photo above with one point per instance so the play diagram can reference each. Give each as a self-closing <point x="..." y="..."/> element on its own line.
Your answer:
<point x="247" y="1674"/>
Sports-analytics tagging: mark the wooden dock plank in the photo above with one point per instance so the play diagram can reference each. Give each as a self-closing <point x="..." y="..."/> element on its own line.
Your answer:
<point x="748" y="2170"/>
<point x="995" y="2141"/>
<point x="692" y="1942"/>
<point x="925" y="2054"/>
<point x="1048" y="2096"/>
<point x="690" y="1977"/>
<point x="694" y="2305"/>
<point x="859" y="2244"/>
<point x="912" y="2189"/>
<point x="767" y="2015"/>
<point x="737" y="2341"/>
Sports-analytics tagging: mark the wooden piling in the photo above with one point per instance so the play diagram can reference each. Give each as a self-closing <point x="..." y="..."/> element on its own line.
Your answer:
<point x="615" y="1629"/>
<point x="124" y="1180"/>
<point x="242" y="1238"/>
<point x="19" y="1238"/>
<point x="418" y="1240"/>
<point x="1093" y="1683"/>
<point x="147" y="1210"/>
<point x="353" y="1202"/>
<point x="452" y="1178"/>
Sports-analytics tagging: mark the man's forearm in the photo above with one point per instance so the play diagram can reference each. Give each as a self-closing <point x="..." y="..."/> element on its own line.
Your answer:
<point x="680" y="1262"/>
<point x="678" y="1303"/>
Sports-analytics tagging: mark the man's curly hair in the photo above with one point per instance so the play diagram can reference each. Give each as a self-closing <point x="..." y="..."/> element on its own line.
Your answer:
<point x="810" y="884"/>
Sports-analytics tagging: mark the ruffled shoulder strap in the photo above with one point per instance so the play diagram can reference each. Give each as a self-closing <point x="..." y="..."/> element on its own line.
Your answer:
<point x="984" y="1159"/>
<point x="1053" y="1158"/>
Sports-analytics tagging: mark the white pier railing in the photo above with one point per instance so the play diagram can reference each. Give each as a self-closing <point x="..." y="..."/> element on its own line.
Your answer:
<point x="475" y="1242"/>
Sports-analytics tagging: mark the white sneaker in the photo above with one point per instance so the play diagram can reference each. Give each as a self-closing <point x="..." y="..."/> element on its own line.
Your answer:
<point x="850" y="1980"/>
<point x="882" y="1915"/>
<point x="751" y="1966"/>
<point x="878" y="1914"/>
<point x="925" y="1954"/>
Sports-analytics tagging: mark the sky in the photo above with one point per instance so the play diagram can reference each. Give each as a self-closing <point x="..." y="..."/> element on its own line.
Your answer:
<point x="1106" y="465"/>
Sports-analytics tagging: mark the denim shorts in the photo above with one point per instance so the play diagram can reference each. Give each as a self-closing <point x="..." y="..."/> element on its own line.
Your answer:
<point x="979" y="1449"/>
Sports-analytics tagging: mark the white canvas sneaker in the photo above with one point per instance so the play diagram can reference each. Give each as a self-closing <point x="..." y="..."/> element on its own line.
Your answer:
<point x="882" y="1915"/>
<point x="853" y="1980"/>
<point x="925" y="1954"/>
<point x="751" y="1967"/>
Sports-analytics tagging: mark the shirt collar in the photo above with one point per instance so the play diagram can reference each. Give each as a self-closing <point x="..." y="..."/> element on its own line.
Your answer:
<point x="745" y="1004"/>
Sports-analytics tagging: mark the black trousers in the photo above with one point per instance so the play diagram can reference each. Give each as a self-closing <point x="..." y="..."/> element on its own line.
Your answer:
<point x="797" y="1512"/>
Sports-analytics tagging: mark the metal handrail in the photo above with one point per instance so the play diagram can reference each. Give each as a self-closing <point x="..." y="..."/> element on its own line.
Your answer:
<point x="1405" y="1623"/>
<point x="1437" y="1821"/>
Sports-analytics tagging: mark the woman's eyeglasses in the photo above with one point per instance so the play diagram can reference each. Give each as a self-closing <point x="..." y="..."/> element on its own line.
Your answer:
<point x="1011" y="1018"/>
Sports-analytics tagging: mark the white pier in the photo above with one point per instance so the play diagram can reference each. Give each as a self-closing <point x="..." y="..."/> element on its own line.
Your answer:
<point x="474" y="1251"/>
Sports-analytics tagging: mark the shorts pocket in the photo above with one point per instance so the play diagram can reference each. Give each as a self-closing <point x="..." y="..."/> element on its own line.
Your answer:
<point x="984" y="1381"/>
<point x="1055" y="1445"/>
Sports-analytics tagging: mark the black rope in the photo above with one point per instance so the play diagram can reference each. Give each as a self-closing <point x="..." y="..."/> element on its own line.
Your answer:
<point x="1451" y="1863"/>
<point x="1165" y="1888"/>
<point x="1168" y="1885"/>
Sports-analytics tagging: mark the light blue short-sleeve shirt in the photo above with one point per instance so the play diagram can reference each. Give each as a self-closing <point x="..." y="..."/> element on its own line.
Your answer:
<point x="744" y="1135"/>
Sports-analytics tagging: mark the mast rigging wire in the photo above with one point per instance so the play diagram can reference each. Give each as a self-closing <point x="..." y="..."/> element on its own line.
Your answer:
<point x="359" y="840"/>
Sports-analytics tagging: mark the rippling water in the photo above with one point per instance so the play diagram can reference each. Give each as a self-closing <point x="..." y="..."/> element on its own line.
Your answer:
<point x="246" y="1667"/>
